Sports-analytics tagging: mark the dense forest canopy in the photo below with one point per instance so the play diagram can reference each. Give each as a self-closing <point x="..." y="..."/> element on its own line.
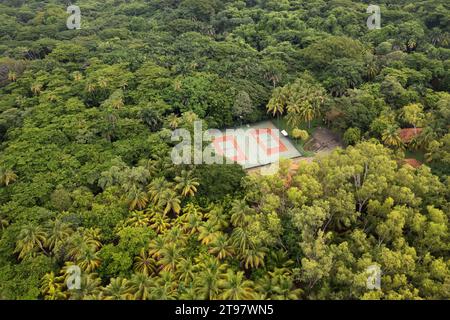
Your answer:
<point x="86" y="177"/>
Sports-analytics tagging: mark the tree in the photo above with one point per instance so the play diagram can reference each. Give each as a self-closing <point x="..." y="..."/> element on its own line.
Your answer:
<point x="160" y="223"/>
<point x="243" y="106"/>
<point x="137" y="198"/>
<point x="210" y="272"/>
<point x="221" y="247"/>
<point x="303" y="100"/>
<point x="7" y="176"/>
<point x="30" y="240"/>
<point x="88" y="259"/>
<point x="157" y="188"/>
<point x="300" y="134"/>
<point x="170" y="202"/>
<point x="117" y="289"/>
<point x="240" y="212"/>
<point x="413" y="114"/>
<point x="144" y="263"/>
<point x="12" y="76"/>
<point x="140" y="286"/>
<point x="391" y="137"/>
<point x="352" y="136"/>
<point x="278" y="285"/>
<point x="51" y="287"/>
<point x="236" y="287"/>
<point x="253" y="257"/>
<point x="58" y="232"/>
<point x="151" y="118"/>
<point x="187" y="184"/>
<point x="138" y="219"/>
<point x="277" y="104"/>
<point x="208" y="232"/>
<point x="170" y="257"/>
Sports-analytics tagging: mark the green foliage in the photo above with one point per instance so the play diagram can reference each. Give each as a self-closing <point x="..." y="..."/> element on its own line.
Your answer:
<point x="86" y="177"/>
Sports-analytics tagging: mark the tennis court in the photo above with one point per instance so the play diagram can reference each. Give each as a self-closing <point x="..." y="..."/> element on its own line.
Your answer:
<point x="254" y="145"/>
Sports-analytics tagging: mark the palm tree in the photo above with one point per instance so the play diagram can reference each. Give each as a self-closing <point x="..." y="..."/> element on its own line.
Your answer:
<point x="144" y="263"/>
<point x="90" y="288"/>
<point x="277" y="104"/>
<point x="305" y="102"/>
<point x="176" y="234"/>
<point x="4" y="222"/>
<point x="391" y="137"/>
<point x="31" y="238"/>
<point x="12" y="76"/>
<point x="424" y="138"/>
<point x="116" y="99"/>
<point x="137" y="198"/>
<point x="138" y="219"/>
<point x="211" y="272"/>
<point x="188" y="293"/>
<point x="185" y="270"/>
<point x="239" y="213"/>
<point x="411" y="44"/>
<point x="160" y="223"/>
<point x="284" y="289"/>
<point x="83" y="246"/>
<point x="51" y="287"/>
<point x="152" y="119"/>
<point x="77" y="76"/>
<point x="187" y="184"/>
<point x="92" y="237"/>
<point x="189" y="117"/>
<point x="236" y="287"/>
<point x="174" y="121"/>
<point x="308" y="111"/>
<point x="278" y="285"/>
<point x="140" y="286"/>
<point x="150" y="166"/>
<point x="91" y="87"/>
<point x="371" y="69"/>
<point x="36" y="88"/>
<point x="170" y="257"/>
<point x="240" y="239"/>
<point x="220" y="247"/>
<point x="52" y="97"/>
<point x="191" y="220"/>
<point x="7" y="176"/>
<point x="155" y="246"/>
<point x="165" y="287"/>
<point x="88" y="259"/>
<point x="102" y="82"/>
<point x="208" y="232"/>
<point x="218" y="216"/>
<point x="253" y="257"/>
<point x="117" y="289"/>
<point x="157" y="188"/>
<point x="170" y="202"/>
<point x="58" y="232"/>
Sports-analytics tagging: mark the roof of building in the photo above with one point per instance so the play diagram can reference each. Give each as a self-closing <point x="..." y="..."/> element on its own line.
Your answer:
<point x="408" y="134"/>
<point x="413" y="163"/>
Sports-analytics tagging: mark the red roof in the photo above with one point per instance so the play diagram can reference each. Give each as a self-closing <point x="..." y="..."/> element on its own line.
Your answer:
<point x="413" y="163"/>
<point x="408" y="134"/>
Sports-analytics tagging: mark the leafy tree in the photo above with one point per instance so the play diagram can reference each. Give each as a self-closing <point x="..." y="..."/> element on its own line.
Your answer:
<point x="413" y="114"/>
<point x="352" y="136"/>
